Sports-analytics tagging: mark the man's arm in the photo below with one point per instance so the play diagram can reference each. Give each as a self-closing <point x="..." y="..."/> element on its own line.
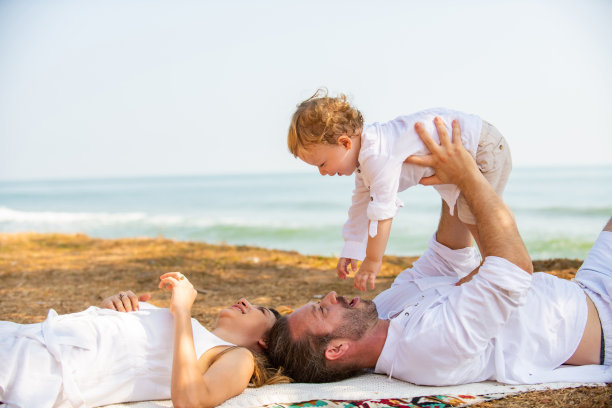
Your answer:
<point x="454" y="165"/>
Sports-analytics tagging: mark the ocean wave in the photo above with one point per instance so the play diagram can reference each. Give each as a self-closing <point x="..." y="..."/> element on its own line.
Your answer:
<point x="569" y="211"/>
<point x="11" y="219"/>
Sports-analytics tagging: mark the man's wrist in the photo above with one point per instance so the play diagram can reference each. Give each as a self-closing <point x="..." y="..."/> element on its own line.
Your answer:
<point x="469" y="180"/>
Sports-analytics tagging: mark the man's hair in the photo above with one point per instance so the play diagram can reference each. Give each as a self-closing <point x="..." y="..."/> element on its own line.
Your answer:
<point x="321" y="119"/>
<point x="304" y="359"/>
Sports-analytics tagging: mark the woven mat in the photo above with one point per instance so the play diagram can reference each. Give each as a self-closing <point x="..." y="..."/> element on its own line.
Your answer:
<point x="371" y="389"/>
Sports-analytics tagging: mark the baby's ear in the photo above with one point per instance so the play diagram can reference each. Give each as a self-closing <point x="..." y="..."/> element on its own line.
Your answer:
<point x="345" y="141"/>
<point x="263" y="344"/>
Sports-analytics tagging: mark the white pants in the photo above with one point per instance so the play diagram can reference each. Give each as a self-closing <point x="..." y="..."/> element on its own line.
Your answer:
<point x="595" y="275"/>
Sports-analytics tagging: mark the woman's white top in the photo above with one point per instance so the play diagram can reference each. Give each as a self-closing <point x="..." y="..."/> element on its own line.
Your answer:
<point x="382" y="172"/>
<point x="504" y="325"/>
<point x="95" y="357"/>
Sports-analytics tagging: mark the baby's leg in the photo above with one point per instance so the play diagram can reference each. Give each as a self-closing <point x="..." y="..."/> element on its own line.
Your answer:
<point x="495" y="163"/>
<point x="452" y="233"/>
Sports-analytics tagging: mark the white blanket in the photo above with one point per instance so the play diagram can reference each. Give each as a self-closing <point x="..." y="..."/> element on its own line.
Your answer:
<point x="364" y="387"/>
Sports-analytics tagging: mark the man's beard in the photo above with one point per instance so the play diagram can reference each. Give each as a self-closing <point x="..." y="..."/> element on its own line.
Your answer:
<point x="356" y="321"/>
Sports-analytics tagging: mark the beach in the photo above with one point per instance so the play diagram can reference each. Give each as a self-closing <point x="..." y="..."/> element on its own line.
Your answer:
<point x="69" y="272"/>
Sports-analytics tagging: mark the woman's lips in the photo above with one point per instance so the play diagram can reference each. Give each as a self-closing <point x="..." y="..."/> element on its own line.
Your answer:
<point x="239" y="307"/>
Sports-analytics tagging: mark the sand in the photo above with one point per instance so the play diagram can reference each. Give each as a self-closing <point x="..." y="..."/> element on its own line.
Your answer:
<point x="71" y="272"/>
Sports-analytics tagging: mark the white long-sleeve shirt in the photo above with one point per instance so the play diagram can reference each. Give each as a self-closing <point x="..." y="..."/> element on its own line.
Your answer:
<point x="504" y="325"/>
<point x="382" y="172"/>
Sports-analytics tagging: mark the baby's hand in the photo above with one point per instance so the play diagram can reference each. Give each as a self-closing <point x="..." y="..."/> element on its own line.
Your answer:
<point x="367" y="275"/>
<point x="342" y="267"/>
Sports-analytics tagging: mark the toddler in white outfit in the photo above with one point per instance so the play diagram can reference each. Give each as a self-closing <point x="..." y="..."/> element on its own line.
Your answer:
<point x="329" y="133"/>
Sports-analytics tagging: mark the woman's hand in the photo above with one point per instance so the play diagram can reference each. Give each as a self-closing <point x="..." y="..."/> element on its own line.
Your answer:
<point x="124" y="301"/>
<point x="183" y="292"/>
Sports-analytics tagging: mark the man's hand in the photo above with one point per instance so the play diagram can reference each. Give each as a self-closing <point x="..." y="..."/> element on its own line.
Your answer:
<point x="366" y="275"/>
<point x="454" y="165"/>
<point x="125" y="301"/>
<point x="342" y="267"/>
<point x="451" y="161"/>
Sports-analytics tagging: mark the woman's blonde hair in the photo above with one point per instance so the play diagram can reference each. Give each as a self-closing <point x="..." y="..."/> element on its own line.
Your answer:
<point x="321" y="119"/>
<point x="263" y="372"/>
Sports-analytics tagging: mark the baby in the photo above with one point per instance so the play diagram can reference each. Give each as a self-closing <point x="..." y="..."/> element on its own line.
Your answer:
<point x="329" y="133"/>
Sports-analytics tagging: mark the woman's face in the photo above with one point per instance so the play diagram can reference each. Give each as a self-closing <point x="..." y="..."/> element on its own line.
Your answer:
<point x="250" y="323"/>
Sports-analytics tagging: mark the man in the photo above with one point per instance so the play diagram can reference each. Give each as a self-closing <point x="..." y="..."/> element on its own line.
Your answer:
<point x="440" y="324"/>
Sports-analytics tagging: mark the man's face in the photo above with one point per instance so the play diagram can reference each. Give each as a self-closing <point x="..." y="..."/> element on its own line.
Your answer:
<point x="334" y="315"/>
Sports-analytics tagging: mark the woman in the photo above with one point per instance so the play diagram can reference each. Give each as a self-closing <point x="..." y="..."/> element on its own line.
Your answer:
<point x="102" y="356"/>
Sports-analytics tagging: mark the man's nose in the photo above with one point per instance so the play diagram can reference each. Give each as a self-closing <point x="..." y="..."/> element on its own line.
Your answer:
<point x="331" y="298"/>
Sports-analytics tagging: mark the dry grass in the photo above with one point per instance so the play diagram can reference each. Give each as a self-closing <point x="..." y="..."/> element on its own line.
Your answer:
<point x="71" y="272"/>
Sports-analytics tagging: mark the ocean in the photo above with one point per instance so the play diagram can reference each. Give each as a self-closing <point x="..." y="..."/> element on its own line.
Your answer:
<point x="559" y="211"/>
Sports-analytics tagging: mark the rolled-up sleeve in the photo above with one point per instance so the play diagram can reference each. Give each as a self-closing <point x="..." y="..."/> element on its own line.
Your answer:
<point x="476" y="311"/>
<point x="439" y="260"/>
<point x="384" y="203"/>
<point x="355" y="229"/>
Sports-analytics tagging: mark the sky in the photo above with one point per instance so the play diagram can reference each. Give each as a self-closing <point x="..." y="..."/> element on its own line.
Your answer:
<point x="115" y="88"/>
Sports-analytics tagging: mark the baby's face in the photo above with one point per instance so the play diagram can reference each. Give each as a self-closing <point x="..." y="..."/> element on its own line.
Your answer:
<point x="332" y="160"/>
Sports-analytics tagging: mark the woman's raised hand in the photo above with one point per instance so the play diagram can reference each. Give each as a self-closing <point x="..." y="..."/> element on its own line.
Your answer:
<point x="124" y="301"/>
<point x="183" y="292"/>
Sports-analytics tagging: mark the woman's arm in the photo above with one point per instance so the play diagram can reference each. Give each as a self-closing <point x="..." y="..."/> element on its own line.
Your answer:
<point x="225" y="378"/>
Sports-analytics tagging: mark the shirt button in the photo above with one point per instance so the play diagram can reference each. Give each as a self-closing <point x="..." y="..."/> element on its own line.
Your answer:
<point x="371" y="198"/>
<point x="358" y="170"/>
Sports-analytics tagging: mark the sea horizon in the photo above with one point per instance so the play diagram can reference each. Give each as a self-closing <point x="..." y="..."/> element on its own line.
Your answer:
<point x="559" y="209"/>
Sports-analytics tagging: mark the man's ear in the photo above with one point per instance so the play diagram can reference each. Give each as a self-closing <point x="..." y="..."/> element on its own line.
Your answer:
<point x="263" y="344"/>
<point x="336" y="349"/>
<point x="345" y="141"/>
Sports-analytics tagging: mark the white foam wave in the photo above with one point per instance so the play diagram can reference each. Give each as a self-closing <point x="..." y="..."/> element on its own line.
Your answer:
<point x="8" y="215"/>
<point x="13" y="220"/>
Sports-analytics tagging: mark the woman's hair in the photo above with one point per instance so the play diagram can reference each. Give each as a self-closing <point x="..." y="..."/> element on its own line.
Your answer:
<point x="265" y="374"/>
<point x="321" y="119"/>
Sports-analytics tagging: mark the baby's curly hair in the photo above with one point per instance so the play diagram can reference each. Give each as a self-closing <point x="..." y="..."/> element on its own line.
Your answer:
<point x="321" y="119"/>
